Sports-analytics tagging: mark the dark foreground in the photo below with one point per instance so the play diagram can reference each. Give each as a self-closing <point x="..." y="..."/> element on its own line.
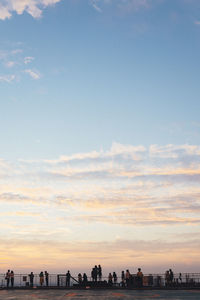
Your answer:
<point x="99" y="294"/>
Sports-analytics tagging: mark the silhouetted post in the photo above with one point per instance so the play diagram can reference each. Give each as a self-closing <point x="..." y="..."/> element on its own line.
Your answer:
<point x="58" y="280"/>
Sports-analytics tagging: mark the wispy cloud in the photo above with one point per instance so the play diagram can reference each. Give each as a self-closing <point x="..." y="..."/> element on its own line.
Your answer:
<point x="124" y="6"/>
<point x="14" y="59"/>
<point x="149" y="191"/>
<point x="127" y="184"/>
<point x="84" y="254"/>
<point x="28" y="59"/>
<point x="7" y="78"/>
<point x="95" y="5"/>
<point x="10" y="64"/>
<point x="33" y="73"/>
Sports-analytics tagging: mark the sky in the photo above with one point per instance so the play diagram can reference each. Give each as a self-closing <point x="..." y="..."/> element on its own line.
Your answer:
<point x="99" y="135"/>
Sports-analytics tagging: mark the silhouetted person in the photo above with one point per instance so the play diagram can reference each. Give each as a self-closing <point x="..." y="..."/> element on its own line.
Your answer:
<point x="140" y="278"/>
<point x="167" y="278"/>
<point x="123" y="279"/>
<point x="68" y="276"/>
<point x="99" y="272"/>
<point x="7" y="278"/>
<point x="92" y="274"/>
<point x="110" y="278"/>
<point x="31" y="277"/>
<point x="12" y="278"/>
<point x="127" y="276"/>
<point x="171" y="276"/>
<point x="41" y="275"/>
<point x="85" y="279"/>
<point x="180" y="278"/>
<point x="46" y="278"/>
<point x="115" y="277"/>
<point x="80" y="278"/>
<point x="95" y="273"/>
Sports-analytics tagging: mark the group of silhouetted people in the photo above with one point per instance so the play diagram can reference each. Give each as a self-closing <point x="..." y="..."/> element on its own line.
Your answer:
<point x="10" y="277"/>
<point x="169" y="277"/>
<point x="127" y="279"/>
<point x="96" y="273"/>
<point x="44" y="276"/>
<point x="96" y="276"/>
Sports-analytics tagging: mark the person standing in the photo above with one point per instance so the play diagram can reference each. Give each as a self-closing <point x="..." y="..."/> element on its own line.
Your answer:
<point x="7" y="278"/>
<point x="140" y="277"/>
<point x="180" y="278"/>
<point x="68" y="276"/>
<point x="12" y="278"/>
<point x="127" y="276"/>
<point x="80" y="278"/>
<point x="110" y="278"/>
<point x="95" y="273"/>
<point x="115" y="278"/>
<point x="46" y="278"/>
<point x="171" y="276"/>
<point x="123" y="279"/>
<point x="85" y="279"/>
<point x="31" y="277"/>
<point x="41" y="278"/>
<point x="99" y="272"/>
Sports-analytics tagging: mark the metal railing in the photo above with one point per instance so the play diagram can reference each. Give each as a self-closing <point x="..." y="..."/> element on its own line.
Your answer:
<point x="149" y="280"/>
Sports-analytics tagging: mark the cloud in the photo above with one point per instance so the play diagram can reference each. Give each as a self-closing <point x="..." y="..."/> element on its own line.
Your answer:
<point x="94" y="4"/>
<point x="32" y="7"/>
<point x="126" y="184"/>
<point x="4" y="12"/>
<point x="28" y="59"/>
<point x="7" y="78"/>
<point x="152" y="255"/>
<point x="93" y="197"/>
<point x="36" y="7"/>
<point x="9" y="64"/>
<point x="123" y="6"/>
<point x="14" y="58"/>
<point x="33" y="73"/>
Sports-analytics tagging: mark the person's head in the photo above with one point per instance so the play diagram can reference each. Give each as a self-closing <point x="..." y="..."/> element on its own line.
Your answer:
<point x="139" y="269"/>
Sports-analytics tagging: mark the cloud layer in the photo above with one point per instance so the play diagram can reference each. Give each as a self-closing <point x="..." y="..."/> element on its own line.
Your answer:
<point x="126" y="193"/>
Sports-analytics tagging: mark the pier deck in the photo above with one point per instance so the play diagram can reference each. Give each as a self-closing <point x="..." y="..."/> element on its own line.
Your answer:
<point x="55" y="294"/>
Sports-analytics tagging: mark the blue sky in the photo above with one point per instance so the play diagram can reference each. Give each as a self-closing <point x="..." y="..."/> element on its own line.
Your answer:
<point x="127" y="74"/>
<point x="99" y="105"/>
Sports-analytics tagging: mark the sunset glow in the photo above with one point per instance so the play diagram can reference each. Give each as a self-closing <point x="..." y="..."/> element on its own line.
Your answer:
<point x="100" y="131"/>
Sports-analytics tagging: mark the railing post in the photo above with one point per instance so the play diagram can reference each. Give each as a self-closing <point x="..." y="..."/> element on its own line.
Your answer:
<point x="58" y="280"/>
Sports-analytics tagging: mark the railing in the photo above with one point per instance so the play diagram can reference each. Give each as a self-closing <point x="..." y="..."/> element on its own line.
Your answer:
<point x="149" y="280"/>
